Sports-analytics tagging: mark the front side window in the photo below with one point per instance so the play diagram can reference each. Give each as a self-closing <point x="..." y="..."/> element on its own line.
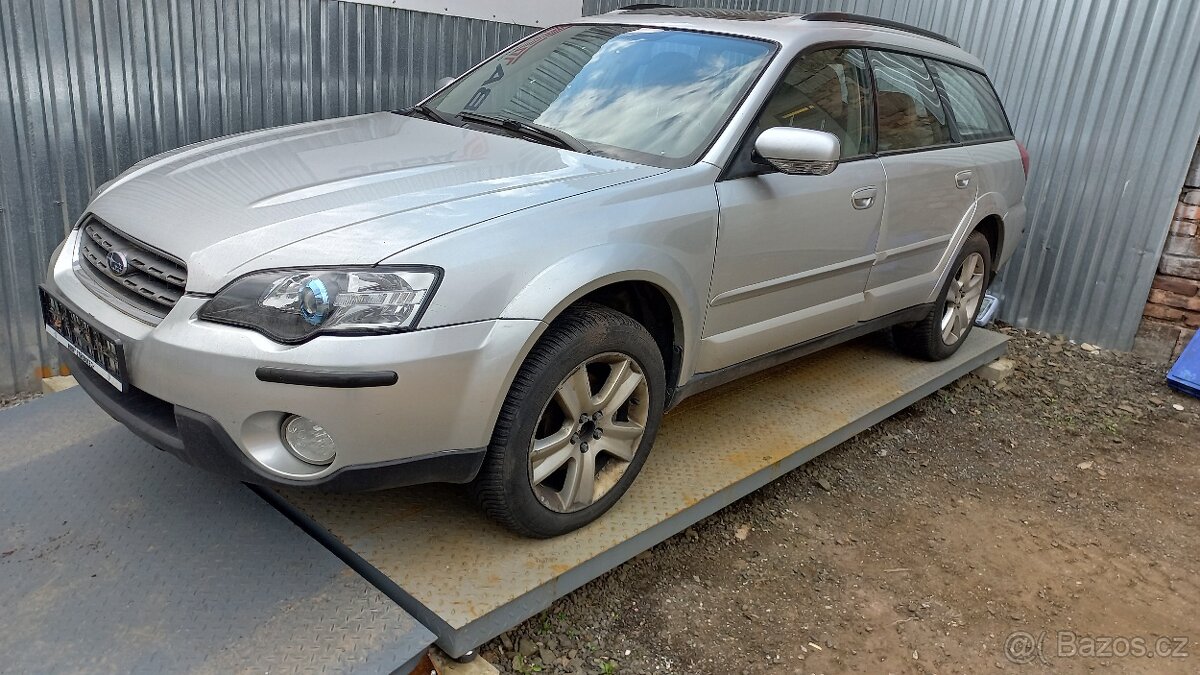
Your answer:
<point x="977" y="111"/>
<point x="650" y="95"/>
<point x="827" y="91"/>
<point x="910" y="111"/>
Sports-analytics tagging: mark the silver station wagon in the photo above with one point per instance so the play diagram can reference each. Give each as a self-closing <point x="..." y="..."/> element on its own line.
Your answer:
<point x="508" y="284"/>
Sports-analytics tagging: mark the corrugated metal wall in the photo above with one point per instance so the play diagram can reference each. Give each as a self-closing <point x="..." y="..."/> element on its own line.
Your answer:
<point x="1103" y="92"/>
<point x="1105" y="95"/>
<point x="87" y="88"/>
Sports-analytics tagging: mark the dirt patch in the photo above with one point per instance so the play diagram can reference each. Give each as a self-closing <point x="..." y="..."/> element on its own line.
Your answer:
<point x="1056" y="513"/>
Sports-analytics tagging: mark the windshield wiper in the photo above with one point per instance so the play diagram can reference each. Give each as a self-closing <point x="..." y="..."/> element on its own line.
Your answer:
<point x="530" y="130"/>
<point x="430" y="113"/>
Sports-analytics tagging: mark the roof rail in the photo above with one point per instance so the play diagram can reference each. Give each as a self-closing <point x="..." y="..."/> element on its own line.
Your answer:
<point x="645" y="5"/>
<point x="876" y="21"/>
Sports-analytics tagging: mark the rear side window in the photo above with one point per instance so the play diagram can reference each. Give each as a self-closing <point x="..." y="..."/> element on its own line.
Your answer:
<point x="977" y="112"/>
<point x="910" y="111"/>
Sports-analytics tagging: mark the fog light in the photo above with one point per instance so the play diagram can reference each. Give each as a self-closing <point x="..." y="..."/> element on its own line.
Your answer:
<point x="308" y="441"/>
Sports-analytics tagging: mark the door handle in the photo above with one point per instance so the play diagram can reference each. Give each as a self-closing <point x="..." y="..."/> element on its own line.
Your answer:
<point x="863" y="197"/>
<point x="962" y="179"/>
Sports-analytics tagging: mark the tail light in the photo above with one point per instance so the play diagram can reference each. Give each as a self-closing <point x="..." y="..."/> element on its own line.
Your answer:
<point x="1024" y="157"/>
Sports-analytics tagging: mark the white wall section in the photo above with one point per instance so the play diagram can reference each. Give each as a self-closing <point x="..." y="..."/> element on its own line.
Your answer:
<point x="524" y="12"/>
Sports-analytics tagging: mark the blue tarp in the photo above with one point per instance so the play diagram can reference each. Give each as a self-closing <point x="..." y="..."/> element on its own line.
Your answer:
<point x="1185" y="374"/>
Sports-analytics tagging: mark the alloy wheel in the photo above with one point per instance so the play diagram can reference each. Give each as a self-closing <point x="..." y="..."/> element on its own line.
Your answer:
<point x="589" y="432"/>
<point x="963" y="298"/>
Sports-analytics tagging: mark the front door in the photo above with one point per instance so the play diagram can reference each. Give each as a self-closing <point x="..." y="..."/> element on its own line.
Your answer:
<point x="794" y="252"/>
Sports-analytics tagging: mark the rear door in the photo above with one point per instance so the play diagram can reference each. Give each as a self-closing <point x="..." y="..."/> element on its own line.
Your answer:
<point x="981" y="124"/>
<point x="931" y="184"/>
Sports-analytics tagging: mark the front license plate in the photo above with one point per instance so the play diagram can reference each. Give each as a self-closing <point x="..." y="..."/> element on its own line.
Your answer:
<point x="101" y="353"/>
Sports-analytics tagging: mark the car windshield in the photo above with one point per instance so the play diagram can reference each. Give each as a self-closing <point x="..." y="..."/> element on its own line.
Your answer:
<point x="646" y="95"/>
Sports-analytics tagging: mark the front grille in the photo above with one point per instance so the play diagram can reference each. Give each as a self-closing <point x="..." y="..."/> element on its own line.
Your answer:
<point x="153" y="281"/>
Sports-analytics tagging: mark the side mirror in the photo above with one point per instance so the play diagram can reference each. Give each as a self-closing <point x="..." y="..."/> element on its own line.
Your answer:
<point x="443" y="83"/>
<point x="799" y="151"/>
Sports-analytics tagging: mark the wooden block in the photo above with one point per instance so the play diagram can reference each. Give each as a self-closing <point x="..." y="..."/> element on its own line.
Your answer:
<point x="996" y="371"/>
<point x="53" y="385"/>
<point x="448" y="666"/>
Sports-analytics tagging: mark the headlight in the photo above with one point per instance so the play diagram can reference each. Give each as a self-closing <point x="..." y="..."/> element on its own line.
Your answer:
<point x="294" y="305"/>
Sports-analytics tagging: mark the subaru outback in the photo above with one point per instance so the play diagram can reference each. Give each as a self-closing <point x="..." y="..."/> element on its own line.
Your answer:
<point x="509" y="283"/>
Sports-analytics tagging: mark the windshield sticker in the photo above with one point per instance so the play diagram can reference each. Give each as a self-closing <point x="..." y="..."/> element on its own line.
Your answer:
<point x="484" y="91"/>
<point x="517" y="52"/>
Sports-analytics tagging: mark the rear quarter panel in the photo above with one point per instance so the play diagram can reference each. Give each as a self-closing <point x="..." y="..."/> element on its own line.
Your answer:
<point x="1001" y="191"/>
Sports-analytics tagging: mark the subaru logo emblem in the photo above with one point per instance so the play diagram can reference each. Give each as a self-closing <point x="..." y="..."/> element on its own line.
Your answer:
<point x="118" y="264"/>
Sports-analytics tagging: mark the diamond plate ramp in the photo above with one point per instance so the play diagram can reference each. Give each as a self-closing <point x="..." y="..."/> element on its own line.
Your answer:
<point x="115" y="557"/>
<point x="469" y="580"/>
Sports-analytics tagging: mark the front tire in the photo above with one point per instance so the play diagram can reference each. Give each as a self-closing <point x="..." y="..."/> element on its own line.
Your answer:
<point x="948" y="323"/>
<point x="576" y="426"/>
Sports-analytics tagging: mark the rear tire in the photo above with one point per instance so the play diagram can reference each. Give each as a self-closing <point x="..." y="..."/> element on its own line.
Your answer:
<point x="949" y="322"/>
<point x="547" y="471"/>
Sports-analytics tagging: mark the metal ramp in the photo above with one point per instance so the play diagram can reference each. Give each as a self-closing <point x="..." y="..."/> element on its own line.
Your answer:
<point x="115" y="557"/>
<point x="469" y="580"/>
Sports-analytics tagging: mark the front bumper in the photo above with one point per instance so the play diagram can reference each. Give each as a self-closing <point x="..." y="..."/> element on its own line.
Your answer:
<point x="200" y="441"/>
<point x="203" y="391"/>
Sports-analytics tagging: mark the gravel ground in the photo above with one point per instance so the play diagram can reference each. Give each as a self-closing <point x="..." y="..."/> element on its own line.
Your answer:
<point x="10" y="400"/>
<point x="1059" y="507"/>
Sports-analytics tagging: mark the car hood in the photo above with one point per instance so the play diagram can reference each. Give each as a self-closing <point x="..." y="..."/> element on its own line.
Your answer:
<point x="349" y="191"/>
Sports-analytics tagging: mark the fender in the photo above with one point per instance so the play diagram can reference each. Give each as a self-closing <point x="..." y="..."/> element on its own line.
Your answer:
<point x="986" y="205"/>
<point x="573" y="277"/>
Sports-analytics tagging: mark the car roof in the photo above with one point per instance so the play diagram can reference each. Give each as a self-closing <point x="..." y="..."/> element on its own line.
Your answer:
<point x="793" y="31"/>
